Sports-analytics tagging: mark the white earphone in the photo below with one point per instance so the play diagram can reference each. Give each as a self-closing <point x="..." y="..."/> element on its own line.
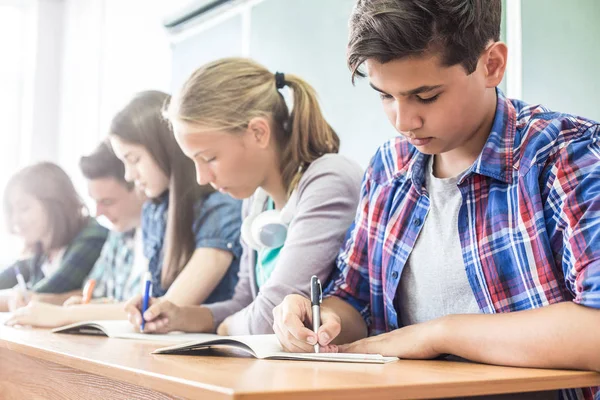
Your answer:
<point x="267" y="229"/>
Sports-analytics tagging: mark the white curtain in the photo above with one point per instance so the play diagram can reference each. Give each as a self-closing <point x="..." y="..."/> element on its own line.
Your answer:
<point x="66" y="67"/>
<point x="17" y="47"/>
<point x="112" y="49"/>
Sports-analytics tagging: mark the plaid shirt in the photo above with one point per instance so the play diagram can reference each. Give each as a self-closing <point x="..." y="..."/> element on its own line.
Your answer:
<point x="77" y="261"/>
<point x="527" y="224"/>
<point x="113" y="268"/>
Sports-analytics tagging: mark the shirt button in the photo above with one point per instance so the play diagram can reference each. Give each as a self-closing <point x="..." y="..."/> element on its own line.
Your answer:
<point x="417" y="221"/>
<point x="229" y="245"/>
<point x="395" y="275"/>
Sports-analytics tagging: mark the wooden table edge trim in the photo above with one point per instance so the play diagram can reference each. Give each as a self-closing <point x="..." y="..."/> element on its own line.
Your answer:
<point x="178" y="386"/>
<point x="415" y="391"/>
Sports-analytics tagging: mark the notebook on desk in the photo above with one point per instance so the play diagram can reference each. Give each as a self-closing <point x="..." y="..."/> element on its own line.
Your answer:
<point x="4" y="316"/>
<point x="266" y="347"/>
<point x="124" y="330"/>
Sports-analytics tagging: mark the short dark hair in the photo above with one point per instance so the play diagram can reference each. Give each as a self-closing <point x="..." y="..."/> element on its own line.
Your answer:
<point x="103" y="163"/>
<point x="386" y="30"/>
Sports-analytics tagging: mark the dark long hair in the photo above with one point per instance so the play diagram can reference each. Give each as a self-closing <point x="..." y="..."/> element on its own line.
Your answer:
<point x="50" y="184"/>
<point x="141" y="122"/>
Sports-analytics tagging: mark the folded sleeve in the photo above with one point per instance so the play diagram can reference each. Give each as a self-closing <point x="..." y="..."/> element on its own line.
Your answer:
<point x="574" y="201"/>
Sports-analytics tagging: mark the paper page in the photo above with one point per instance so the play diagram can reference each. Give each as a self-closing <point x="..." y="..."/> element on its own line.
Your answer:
<point x="122" y="329"/>
<point x="115" y="328"/>
<point x="262" y="345"/>
<point x="268" y="347"/>
<point x="173" y="337"/>
<point x="109" y="327"/>
<point x="4" y="316"/>
<point x="335" y="357"/>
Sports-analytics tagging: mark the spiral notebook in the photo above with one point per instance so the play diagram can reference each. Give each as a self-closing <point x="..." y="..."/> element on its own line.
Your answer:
<point x="265" y="347"/>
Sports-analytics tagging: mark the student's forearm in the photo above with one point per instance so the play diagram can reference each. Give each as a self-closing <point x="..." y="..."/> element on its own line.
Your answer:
<point x="195" y="319"/>
<point x="88" y="312"/>
<point x="353" y="325"/>
<point x="4" y="302"/>
<point x="54" y="298"/>
<point x="563" y="335"/>
<point x="199" y="278"/>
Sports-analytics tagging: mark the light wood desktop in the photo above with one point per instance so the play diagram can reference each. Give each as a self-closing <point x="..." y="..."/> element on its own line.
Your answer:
<point x="36" y="364"/>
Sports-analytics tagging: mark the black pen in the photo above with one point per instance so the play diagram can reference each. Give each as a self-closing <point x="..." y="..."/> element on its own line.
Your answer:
<point x="316" y="295"/>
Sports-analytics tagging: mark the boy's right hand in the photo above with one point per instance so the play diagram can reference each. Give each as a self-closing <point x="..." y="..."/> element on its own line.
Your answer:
<point x="293" y="326"/>
<point x="161" y="315"/>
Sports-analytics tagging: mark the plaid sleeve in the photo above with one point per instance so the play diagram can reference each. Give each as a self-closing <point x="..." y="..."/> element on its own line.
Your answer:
<point x="101" y="272"/>
<point x="350" y="278"/>
<point x="575" y="200"/>
<point x="77" y="262"/>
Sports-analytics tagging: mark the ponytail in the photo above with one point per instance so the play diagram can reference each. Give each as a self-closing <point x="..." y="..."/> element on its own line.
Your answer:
<point x="310" y="134"/>
<point x="226" y="94"/>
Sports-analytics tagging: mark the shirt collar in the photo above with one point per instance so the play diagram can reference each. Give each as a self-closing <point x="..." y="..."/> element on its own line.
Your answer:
<point x="496" y="157"/>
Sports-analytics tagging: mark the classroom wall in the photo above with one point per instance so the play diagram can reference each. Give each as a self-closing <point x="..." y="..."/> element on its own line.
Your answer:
<point x="561" y="55"/>
<point x="560" y="58"/>
<point x="112" y="49"/>
<point x="92" y="55"/>
<point x="289" y="36"/>
<point x="31" y="59"/>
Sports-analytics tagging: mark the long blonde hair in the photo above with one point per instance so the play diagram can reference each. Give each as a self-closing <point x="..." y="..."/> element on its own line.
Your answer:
<point x="226" y="94"/>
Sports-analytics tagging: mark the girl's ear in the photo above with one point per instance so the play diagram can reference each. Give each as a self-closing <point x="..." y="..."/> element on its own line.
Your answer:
<point x="259" y="131"/>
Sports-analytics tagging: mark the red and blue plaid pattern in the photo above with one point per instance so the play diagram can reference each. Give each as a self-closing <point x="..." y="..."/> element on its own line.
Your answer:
<point x="528" y="224"/>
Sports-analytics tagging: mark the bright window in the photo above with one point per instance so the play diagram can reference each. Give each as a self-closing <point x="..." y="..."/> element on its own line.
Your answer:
<point x="15" y="52"/>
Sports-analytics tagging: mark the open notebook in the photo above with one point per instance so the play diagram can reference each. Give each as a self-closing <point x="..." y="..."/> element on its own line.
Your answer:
<point x="124" y="330"/>
<point x="4" y="316"/>
<point x="266" y="347"/>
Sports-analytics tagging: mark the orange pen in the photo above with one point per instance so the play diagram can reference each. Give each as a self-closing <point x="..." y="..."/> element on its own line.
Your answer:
<point x="88" y="290"/>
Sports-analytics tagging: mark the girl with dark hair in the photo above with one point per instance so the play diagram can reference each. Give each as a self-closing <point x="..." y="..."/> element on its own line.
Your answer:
<point x="62" y="242"/>
<point x="190" y="232"/>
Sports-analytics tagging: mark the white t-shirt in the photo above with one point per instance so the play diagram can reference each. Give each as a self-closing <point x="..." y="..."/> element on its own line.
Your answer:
<point x="434" y="281"/>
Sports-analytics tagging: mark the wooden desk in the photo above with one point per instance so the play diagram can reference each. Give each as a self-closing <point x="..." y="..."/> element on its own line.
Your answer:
<point x="36" y="364"/>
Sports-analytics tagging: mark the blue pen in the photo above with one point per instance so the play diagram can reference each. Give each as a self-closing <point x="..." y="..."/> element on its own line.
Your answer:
<point x="147" y="290"/>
